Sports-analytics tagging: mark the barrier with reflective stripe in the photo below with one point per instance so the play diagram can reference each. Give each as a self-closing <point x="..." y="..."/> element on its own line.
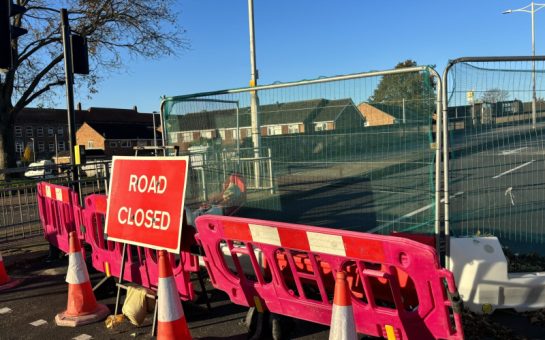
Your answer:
<point x="56" y="213"/>
<point x="398" y="287"/>
<point x="141" y="266"/>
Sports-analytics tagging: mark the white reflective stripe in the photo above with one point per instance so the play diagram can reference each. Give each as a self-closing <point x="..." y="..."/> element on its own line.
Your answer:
<point x="342" y="324"/>
<point x="77" y="270"/>
<point x="1" y="258"/>
<point x="58" y="194"/>
<point x="170" y="306"/>
<point x="264" y="234"/>
<point x="47" y="191"/>
<point x="324" y="243"/>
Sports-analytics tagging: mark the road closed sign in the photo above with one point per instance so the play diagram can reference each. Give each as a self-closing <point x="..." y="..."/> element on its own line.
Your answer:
<point x="146" y="201"/>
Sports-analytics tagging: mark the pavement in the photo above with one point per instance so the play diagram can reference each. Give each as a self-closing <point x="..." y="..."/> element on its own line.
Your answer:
<point x="43" y="294"/>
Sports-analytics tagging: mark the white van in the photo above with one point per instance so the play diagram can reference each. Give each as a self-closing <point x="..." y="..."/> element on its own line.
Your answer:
<point x="40" y="169"/>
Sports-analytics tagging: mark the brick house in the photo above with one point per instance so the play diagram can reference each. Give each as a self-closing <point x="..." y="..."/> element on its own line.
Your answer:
<point x="115" y="138"/>
<point x="308" y="116"/>
<point x="46" y="130"/>
<point x="378" y="114"/>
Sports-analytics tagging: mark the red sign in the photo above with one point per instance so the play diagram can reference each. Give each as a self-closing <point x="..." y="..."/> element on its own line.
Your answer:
<point x="146" y="201"/>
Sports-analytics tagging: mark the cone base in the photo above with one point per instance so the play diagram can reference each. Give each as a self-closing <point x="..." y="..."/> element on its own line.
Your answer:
<point x="12" y="283"/>
<point x="100" y="313"/>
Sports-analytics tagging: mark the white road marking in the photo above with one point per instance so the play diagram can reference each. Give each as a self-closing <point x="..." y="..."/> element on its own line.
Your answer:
<point x="509" y="192"/>
<point x="509" y="152"/>
<point x="83" y="337"/>
<point x="514" y="169"/>
<point x="5" y="310"/>
<point x="412" y="213"/>
<point x="38" y="323"/>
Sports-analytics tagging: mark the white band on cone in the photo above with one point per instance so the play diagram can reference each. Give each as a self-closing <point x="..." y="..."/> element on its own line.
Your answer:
<point x="77" y="270"/>
<point x="342" y="324"/>
<point x="170" y="306"/>
<point x="1" y="258"/>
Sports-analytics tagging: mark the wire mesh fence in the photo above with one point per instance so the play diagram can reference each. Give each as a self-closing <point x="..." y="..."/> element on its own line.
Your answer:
<point x="496" y="122"/>
<point x="353" y="152"/>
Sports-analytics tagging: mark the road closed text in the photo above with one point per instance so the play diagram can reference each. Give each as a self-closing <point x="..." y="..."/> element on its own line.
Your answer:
<point x="147" y="218"/>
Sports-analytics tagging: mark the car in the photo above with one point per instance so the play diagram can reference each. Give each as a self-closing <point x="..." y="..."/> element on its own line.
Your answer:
<point x="40" y="169"/>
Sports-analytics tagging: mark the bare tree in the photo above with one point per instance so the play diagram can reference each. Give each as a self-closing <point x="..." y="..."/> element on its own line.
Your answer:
<point x="114" y="28"/>
<point x="494" y="96"/>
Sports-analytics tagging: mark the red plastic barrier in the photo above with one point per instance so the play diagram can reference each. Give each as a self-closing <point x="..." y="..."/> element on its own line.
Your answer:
<point x="398" y="286"/>
<point x="141" y="265"/>
<point x="56" y="213"/>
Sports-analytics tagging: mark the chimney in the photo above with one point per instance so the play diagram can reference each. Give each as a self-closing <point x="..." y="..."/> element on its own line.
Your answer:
<point x="135" y="108"/>
<point x="79" y="106"/>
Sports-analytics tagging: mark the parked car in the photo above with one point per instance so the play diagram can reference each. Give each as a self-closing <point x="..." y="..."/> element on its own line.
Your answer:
<point x="40" y="169"/>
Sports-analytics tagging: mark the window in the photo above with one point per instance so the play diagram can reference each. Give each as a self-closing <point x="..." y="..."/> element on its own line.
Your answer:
<point x="29" y="132"/>
<point x="234" y="134"/>
<point x="173" y="137"/>
<point x="40" y="132"/>
<point x="60" y="131"/>
<point x="274" y="130"/>
<point x="18" y="131"/>
<point x="113" y="144"/>
<point x="41" y="146"/>
<point x="321" y="126"/>
<point x="293" y="128"/>
<point x="61" y="146"/>
<point x="206" y="134"/>
<point x="51" y="147"/>
<point x="187" y="136"/>
<point x="50" y="132"/>
<point x="19" y="147"/>
<point x="125" y="143"/>
<point x="222" y="133"/>
<point x="90" y="144"/>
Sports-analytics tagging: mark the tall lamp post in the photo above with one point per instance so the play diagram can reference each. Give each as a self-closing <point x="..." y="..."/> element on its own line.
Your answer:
<point x="532" y="8"/>
<point x="33" y="149"/>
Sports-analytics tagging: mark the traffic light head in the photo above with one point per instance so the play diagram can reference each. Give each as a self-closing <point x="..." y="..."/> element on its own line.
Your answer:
<point x="8" y="32"/>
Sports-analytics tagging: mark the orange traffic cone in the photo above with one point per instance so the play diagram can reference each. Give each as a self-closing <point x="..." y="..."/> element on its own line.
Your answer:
<point x="82" y="307"/>
<point x="6" y="282"/>
<point x="171" y="319"/>
<point x="342" y="316"/>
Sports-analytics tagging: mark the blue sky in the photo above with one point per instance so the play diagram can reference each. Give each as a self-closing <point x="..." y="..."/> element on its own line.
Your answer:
<point x="304" y="39"/>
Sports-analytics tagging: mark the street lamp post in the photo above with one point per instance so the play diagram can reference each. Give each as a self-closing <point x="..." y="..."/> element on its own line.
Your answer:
<point x="33" y="149"/>
<point x="532" y="8"/>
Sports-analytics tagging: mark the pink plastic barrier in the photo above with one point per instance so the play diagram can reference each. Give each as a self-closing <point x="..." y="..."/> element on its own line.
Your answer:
<point x="56" y="214"/>
<point x="141" y="264"/>
<point x="398" y="287"/>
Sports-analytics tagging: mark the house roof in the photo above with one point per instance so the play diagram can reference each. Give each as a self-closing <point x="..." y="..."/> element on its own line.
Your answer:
<point x="93" y="114"/>
<point x="332" y="108"/>
<point x="270" y="114"/>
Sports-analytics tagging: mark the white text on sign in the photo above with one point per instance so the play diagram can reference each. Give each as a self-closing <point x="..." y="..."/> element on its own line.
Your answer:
<point x="138" y="217"/>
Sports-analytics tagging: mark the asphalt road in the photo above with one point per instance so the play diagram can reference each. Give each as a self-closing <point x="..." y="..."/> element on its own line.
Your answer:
<point x="43" y="294"/>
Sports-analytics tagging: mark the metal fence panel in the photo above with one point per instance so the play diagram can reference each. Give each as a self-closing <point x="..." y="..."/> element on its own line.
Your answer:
<point x="353" y="152"/>
<point x="497" y="149"/>
<point x="18" y="201"/>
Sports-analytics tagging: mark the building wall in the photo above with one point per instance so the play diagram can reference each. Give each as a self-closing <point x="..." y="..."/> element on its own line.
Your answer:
<point x="44" y="138"/>
<point x="349" y="119"/>
<point x="374" y="116"/>
<point x="89" y="138"/>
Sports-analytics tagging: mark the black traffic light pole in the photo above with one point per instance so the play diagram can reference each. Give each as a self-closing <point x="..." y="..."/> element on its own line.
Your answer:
<point x="69" y="76"/>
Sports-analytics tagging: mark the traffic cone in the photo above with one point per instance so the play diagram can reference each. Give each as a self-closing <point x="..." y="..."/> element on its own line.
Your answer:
<point x="82" y="307"/>
<point x="342" y="317"/>
<point x="6" y="282"/>
<point x="171" y="319"/>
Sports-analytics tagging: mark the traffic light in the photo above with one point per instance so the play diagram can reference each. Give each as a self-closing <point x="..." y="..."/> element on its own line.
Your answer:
<point x="80" y="56"/>
<point x="8" y="32"/>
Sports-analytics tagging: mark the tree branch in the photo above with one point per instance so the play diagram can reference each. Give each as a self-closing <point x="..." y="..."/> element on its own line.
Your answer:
<point x="27" y="94"/>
